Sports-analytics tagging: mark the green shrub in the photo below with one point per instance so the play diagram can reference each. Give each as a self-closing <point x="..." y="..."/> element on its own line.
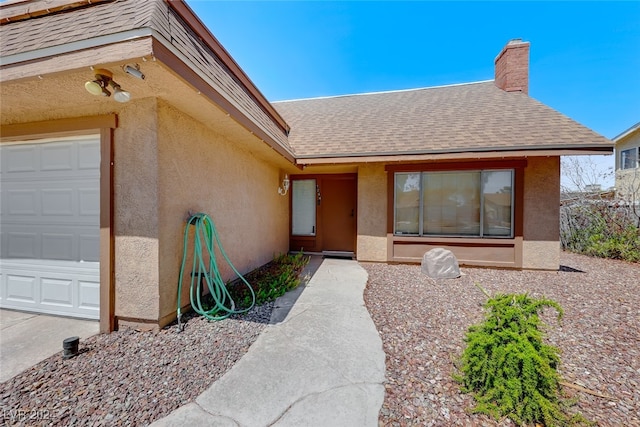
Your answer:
<point x="507" y="366"/>
<point x="601" y="230"/>
<point x="271" y="280"/>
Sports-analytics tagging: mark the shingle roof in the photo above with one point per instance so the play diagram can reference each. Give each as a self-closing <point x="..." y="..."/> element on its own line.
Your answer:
<point x="98" y="20"/>
<point x="459" y="118"/>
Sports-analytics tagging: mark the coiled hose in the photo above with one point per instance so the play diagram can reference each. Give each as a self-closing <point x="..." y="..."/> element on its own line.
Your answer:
<point x="206" y="237"/>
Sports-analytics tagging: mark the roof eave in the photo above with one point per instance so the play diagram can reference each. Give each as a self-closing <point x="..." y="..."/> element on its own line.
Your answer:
<point x="160" y="47"/>
<point x="417" y="157"/>
<point x="627" y="132"/>
<point x="187" y="14"/>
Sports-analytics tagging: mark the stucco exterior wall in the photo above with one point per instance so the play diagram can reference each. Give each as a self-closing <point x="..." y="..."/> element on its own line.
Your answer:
<point x="136" y="211"/>
<point x="201" y="171"/>
<point x="541" y="214"/>
<point x="372" y="213"/>
<point x="627" y="180"/>
<point x="628" y="184"/>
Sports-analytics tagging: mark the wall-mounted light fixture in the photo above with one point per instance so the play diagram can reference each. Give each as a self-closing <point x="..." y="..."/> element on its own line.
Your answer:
<point x="285" y="185"/>
<point x="103" y="80"/>
<point x="134" y="70"/>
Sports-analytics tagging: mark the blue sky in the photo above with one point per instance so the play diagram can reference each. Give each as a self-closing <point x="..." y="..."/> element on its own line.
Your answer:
<point x="584" y="60"/>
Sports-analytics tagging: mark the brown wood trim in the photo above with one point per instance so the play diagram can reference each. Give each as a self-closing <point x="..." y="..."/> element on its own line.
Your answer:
<point x="185" y="12"/>
<point x="460" y="241"/>
<point x="462" y="263"/>
<point x="508" y="244"/>
<point x="107" y="240"/>
<point x="409" y="157"/>
<point x="518" y="201"/>
<point x="318" y="176"/>
<point x="457" y="165"/>
<point x="391" y="178"/>
<point x="52" y="128"/>
<point x="177" y="66"/>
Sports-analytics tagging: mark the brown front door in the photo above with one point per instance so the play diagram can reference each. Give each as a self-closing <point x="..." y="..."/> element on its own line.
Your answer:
<point x="323" y="213"/>
<point x="338" y="211"/>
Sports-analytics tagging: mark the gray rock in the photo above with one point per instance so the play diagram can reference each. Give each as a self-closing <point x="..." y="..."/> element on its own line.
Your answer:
<point x="440" y="263"/>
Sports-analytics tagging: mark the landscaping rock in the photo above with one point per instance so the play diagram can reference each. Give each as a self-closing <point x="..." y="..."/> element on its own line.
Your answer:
<point x="440" y="263"/>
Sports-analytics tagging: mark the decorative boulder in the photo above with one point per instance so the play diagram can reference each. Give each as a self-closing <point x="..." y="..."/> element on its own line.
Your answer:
<point x="440" y="263"/>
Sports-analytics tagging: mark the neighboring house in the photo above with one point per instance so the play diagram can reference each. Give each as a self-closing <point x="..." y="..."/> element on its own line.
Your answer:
<point x="96" y="189"/>
<point x="628" y="164"/>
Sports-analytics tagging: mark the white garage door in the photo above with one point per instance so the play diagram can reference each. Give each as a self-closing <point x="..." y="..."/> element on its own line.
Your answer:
<point x="50" y="226"/>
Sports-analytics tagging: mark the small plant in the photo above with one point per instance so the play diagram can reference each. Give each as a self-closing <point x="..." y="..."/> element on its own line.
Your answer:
<point x="271" y="280"/>
<point x="509" y="369"/>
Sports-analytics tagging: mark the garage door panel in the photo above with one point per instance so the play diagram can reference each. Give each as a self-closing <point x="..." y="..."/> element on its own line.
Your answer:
<point x="56" y="292"/>
<point x="89" y="295"/>
<point x="22" y="202"/>
<point x="57" y="157"/>
<point x="57" y="202"/>
<point x="89" y="155"/>
<point x="58" y="246"/>
<point x="89" y="247"/>
<point x="21" y="289"/>
<point x="20" y="158"/>
<point x="50" y="226"/>
<point x="20" y="245"/>
<point x="89" y="200"/>
<point x="81" y="243"/>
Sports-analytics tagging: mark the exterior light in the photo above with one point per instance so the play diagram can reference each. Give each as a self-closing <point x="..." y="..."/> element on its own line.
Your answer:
<point x="119" y="94"/>
<point x="96" y="87"/>
<point x="103" y="80"/>
<point x="285" y="185"/>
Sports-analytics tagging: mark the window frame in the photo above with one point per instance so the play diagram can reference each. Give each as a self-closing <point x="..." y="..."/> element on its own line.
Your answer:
<point x="314" y="231"/>
<point x="481" y="234"/>
<point x="635" y="153"/>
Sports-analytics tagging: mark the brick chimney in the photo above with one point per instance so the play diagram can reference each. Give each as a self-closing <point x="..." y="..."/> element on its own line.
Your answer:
<point x="512" y="67"/>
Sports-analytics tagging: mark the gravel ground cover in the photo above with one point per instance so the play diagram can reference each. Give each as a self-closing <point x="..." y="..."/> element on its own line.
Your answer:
<point x="129" y="377"/>
<point x="422" y="323"/>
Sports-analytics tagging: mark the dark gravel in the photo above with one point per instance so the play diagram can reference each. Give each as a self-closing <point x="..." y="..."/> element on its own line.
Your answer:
<point x="422" y="323"/>
<point x="129" y="377"/>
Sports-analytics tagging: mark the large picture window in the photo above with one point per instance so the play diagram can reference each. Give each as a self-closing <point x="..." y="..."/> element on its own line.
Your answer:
<point x="454" y="203"/>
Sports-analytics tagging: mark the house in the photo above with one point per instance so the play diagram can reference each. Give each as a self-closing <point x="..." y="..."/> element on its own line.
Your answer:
<point x="118" y="118"/>
<point x="474" y="168"/>
<point x="628" y="164"/>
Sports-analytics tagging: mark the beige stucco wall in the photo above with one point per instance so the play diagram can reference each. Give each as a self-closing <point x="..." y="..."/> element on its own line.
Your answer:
<point x="628" y="184"/>
<point x="627" y="180"/>
<point x="201" y="171"/>
<point x="372" y="213"/>
<point x="136" y="211"/>
<point x="541" y="214"/>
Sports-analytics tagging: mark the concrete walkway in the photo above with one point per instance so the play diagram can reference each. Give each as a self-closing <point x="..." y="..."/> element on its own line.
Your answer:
<point x="28" y="338"/>
<point x="322" y="366"/>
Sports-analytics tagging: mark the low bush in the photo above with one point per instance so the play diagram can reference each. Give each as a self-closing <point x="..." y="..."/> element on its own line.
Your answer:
<point x="602" y="230"/>
<point x="271" y="280"/>
<point x="509" y="369"/>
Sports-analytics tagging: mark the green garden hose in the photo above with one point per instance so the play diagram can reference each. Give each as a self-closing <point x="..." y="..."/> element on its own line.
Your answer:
<point x="205" y="238"/>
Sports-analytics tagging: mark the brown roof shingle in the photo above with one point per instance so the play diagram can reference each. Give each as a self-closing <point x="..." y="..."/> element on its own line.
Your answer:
<point x="96" y="20"/>
<point x="459" y="118"/>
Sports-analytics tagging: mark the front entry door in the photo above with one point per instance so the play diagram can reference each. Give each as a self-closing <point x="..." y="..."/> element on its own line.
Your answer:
<point x="338" y="210"/>
<point x="323" y="213"/>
